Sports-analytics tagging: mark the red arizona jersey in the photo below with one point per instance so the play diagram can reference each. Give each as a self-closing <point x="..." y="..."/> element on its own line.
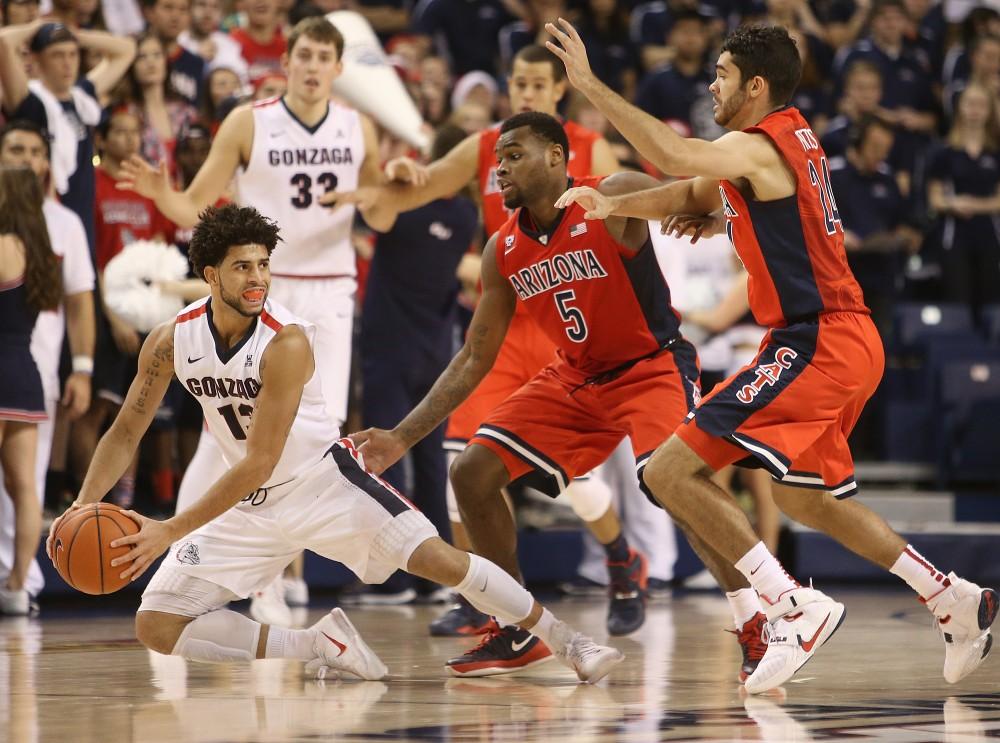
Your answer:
<point x="793" y="248"/>
<point x="581" y="146"/>
<point x="599" y="303"/>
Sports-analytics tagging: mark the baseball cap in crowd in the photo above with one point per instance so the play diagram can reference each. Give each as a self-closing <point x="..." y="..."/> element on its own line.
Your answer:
<point x="49" y="34"/>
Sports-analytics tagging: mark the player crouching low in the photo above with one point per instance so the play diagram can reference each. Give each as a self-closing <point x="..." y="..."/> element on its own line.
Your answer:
<point x="292" y="484"/>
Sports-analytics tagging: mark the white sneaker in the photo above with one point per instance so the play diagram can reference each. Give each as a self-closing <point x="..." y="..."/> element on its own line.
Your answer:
<point x="591" y="661"/>
<point x="339" y="647"/>
<point x="268" y="606"/>
<point x="963" y="613"/>
<point x="14" y="603"/>
<point x="296" y="591"/>
<point x="800" y="622"/>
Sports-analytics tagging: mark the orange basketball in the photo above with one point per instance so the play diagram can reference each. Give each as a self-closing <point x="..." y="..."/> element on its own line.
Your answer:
<point x="82" y="548"/>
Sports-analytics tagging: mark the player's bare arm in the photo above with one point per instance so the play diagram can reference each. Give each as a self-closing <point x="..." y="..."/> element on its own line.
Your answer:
<point x="630" y="232"/>
<point x="118" y="446"/>
<point x="230" y="148"/>
<point x="482" y="344"/>
<point x="691" y="196"/>
<point x="444" y="177"/>
<point x="285" y="367"/>
<point x="733" y="156"/>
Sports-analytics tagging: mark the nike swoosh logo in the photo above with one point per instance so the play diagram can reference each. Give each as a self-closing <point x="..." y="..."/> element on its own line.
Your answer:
<point x="191" y="361"/>
<point x="340" y="645"/>
<point x="518" y="646"/>
<point x="485" y="583"/>
<point x="808" y="646"/>
<point x="754" y="571"/>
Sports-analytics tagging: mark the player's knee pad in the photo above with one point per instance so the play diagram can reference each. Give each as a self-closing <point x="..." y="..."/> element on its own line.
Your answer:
<point x="449" y="493"/>
<point x="494" y="592"/>
<point x="219" y="637"/>
<point x="590" y="498"/>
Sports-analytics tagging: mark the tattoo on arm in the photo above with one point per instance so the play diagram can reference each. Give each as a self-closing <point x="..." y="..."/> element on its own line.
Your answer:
<point x="162" y="362"/>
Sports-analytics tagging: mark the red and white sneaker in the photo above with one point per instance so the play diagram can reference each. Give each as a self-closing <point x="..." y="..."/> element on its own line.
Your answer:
<point x="339" y="647"/>
<point x="505" y="650"/>
<point x="752" y="643"/>
<point x="963" y="613"/>
<point x="800" y="622"/>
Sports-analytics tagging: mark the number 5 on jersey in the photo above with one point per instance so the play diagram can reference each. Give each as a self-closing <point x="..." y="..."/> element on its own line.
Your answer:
<point x="576" y="331"/>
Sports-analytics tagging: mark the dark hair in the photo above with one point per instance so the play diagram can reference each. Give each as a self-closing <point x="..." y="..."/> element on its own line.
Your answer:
<point x="976" y="23"/>
<point x="768" y="52"/>
<point x="857" y="132"/>
<point x="687" y="15"/>
<point x="535" y="54"/>
<point x="21" y="216"/>
<point x="317" y="28"/>
<point x="26" y="125"/>
<point x="544" y="127"/>
<point x="880" y="5"/>
<point x="49" y="34"/>
<point x="447" y="138"/>
<point x="221" y="228"/>
<point x="302" y="10"/>
<point x="862" y="65"/>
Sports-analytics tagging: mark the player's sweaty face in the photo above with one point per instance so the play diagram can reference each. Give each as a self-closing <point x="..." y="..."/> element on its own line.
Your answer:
<point x="244" y="279"/>
<point x="728" y="92"/>
<point x="521" y="167"/>
<point x="312" y="68"/>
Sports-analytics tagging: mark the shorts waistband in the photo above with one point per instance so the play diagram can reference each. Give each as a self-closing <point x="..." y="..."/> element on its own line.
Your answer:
<point x="613" y="373"/>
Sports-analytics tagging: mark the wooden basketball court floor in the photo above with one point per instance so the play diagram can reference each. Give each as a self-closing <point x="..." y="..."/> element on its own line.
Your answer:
<point x="80" y="677"/>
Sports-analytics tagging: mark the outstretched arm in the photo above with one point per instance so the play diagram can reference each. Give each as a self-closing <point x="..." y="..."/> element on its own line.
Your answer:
<point x="486" y="333"/>
<point x="735" y="155"/>
<point x="692" y="196"/>
<point x="285" y="368"/>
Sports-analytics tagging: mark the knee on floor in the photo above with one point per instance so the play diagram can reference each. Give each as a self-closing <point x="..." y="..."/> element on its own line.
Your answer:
<point x="153" y="634"/>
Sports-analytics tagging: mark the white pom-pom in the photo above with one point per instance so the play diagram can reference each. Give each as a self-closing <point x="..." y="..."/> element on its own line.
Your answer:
<point x="131" y="283"/>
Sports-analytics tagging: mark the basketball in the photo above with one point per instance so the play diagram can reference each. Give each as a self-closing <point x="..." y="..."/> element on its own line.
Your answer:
<point x="83" y="551"/>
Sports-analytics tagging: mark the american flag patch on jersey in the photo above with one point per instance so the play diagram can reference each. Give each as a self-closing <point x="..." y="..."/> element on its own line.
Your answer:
<point x="578" y="229"/>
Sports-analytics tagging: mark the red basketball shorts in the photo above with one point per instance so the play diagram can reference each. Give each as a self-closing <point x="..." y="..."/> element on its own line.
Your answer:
<point x="553" y="429"/>
<point x="792" y="408"/>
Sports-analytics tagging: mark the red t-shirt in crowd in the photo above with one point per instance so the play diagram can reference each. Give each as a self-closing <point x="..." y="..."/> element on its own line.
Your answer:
<point x="122" y="217"/>
<point x="262" y="59"/>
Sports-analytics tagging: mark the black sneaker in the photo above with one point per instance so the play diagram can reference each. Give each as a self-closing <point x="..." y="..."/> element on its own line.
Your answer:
<point x="504" y="650"/>
<point x="627" y="610"/>
<point x="461" y="620"/>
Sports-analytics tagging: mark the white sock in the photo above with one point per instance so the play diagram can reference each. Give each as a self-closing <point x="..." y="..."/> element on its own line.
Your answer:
<point x="919" y="574"/>
<point x="221" y="636"/>
<point x="294" y="644"/>
<point x="494" y="592"/>
<point x="765" y="573"/>
<point x="744" y="603"/>
<point x="544" y="626"/>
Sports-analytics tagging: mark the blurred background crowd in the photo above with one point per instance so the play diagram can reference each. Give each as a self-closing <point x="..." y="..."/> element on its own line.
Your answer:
<point x="903" y="95"/>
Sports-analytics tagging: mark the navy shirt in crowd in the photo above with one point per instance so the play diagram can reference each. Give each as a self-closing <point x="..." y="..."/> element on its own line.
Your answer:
<point x="669" y="94"/>
<point x="187" y="72"/>
<point x="468" y="29"/>
<point x="79" y="197"/>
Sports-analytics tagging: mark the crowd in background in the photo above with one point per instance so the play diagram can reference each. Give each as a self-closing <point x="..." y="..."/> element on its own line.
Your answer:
<point x="902" y="93"/>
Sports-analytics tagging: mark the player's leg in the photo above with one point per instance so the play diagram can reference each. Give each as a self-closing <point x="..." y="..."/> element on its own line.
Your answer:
<point x="18" y="448"/>
<point x="494" y="592"/>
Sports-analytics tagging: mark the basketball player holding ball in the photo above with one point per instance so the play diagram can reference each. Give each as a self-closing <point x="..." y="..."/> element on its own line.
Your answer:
<point x="292" y="483"/>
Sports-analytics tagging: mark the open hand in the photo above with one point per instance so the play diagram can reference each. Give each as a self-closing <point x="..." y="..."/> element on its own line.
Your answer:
<point x="380" y="448"/>
<point x="406" y="170"/>
<point x="143" y="178"/>
<point x="152" y="540"/>
<point x="597" y="205"/>
<point x="573" y="52"/>
<point x="695" y="225"/>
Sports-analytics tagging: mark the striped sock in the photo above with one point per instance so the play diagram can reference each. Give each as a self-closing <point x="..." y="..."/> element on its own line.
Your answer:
<point x="919" y="574"/>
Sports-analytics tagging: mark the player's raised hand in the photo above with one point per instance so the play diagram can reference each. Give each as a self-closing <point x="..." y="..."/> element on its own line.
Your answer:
<point x="152" y="540"/>
<point x="380" y="448"/>
<point x="406" y="170"/>
<point x="143" y="178"/>
<point x="572" y="51"/>
<point x="695" y="225"/>
<point x="597" y="205"/>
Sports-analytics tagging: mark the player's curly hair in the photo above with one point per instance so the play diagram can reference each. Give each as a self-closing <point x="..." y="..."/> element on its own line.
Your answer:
<point x="768" y="52"/>
<point x="544" y="127"/>
<point x="221" y="228"/>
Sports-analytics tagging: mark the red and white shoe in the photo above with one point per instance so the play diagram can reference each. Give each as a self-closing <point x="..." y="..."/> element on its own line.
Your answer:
<point x="752" y="642"/>
<point x="505" y="650"/>
<point x="963" y="613"/>
<point x="339" y="647"/>
<point x="801" y="621"/>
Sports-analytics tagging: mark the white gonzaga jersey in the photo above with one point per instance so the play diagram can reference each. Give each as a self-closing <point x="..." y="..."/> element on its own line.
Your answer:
<point x="227" y="382"/>
<point x="290" y="167"/>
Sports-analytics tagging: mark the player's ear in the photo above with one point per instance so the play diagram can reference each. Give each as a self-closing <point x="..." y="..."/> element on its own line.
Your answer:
<point x="211" y="275"/>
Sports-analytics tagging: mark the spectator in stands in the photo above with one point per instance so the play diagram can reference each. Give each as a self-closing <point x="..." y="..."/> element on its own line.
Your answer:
<point x="927" y="30"/>
<point x="161" y="109"/>
<point x="843" y="20"/>
<point x="466" y="33"/>
<point x="604" y="27"/>
<point x="19" y="12"/>
<point x="407" y="326"/>
<point x="873" y="212"/>
<point x="261" y="42"/>
<point x="678" y="91"/>
<point x="812" y="96"/>
<point x="984" y="69"/>
<point x="530" y="28"/>
<point x="222" y="91"/>
<point x="61" y="102"/>
<point x="387" y="17"/>
<point x="270" y="86"/>
<point x="964" y="187"/>
<point x="650" y="29"/>
<point x="31" y="282"/>
<point x="204" y="37"/>
<point x="168" y="19"/>
<point x="981" y="21"/>
<point x="24" y="145"/>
